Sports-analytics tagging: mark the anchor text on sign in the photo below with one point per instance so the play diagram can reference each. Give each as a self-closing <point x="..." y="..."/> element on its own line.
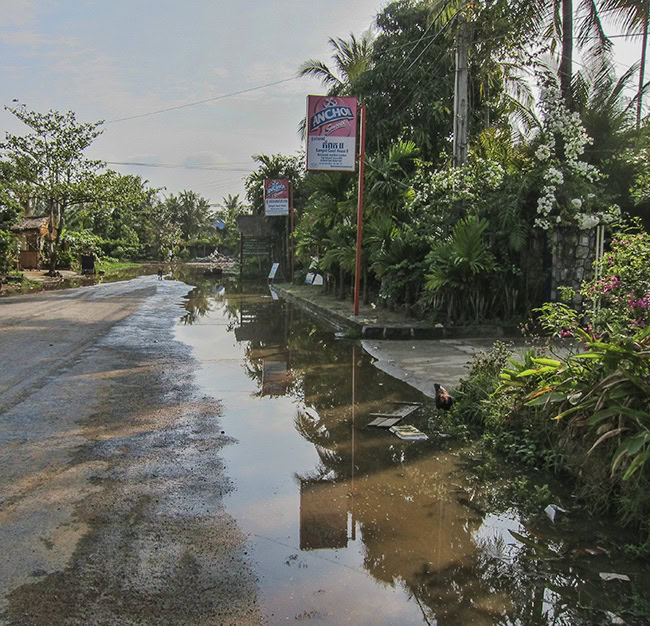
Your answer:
<point x="331" y="133"/>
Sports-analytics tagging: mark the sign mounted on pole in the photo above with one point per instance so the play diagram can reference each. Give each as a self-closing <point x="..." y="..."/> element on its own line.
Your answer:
<point x="331" y="133"/>
<point x="276" y="196"/>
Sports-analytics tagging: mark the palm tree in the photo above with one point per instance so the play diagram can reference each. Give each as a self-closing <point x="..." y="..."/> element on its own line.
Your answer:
<point x="551" y="19"/>
<point x="607" y="114"/>
<point x="555" y="22"/>
<point x="351" y="59"/>
<point x="633" y="16"/>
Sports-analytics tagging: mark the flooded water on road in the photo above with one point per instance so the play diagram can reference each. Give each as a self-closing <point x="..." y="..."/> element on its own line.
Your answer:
<point x="349" y="524"/>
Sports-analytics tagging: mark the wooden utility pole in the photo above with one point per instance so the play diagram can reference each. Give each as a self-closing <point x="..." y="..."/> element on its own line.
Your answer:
<point x="461" y="89"/>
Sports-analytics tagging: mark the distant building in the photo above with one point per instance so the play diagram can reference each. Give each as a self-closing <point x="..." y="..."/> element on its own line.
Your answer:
<point x="32" y="232"/>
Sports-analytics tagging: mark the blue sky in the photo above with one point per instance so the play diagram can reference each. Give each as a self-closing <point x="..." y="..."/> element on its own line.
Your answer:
<point x="109" y="59"/>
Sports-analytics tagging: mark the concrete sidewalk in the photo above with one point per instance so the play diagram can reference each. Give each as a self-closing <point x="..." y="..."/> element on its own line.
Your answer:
<point x="415" y="352"/>
<point x="423" y="363"/>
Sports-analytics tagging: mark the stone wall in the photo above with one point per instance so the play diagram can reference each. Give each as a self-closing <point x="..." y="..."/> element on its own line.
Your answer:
<point x="574" y="252"/>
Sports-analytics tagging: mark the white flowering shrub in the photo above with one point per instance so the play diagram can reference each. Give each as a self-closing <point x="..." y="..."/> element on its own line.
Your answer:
<point x="454" y="192"/>
<point x="567" y="195"/>
<point x="641" y="187"/>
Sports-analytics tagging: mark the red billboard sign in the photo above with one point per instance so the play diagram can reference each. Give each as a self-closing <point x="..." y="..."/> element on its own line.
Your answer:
<point x="331" y="133"/>
<point x="276" y="196"/>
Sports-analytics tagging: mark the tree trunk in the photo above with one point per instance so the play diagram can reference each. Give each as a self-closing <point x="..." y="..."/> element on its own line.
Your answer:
<point x="566" y="63"/>
<point x="644" y="46"/>
<point x="407" y="299"/>
<point x="52" y="240"/>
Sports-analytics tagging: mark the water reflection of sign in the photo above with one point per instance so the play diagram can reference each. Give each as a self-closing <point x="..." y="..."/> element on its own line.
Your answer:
<point x="276" y="196"/>
<point x="331" y="133"/>
<point x="275" y="377"/>
<point x="323" y="515"/>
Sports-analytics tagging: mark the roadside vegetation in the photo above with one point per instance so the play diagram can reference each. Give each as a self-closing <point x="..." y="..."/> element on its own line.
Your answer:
<point x="93" y="210"/>
<point x="557" y="151"/>
<point x="578" y="403"/>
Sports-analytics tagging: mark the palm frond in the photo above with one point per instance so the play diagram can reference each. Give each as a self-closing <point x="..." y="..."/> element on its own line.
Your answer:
<point x="319" y="70"/>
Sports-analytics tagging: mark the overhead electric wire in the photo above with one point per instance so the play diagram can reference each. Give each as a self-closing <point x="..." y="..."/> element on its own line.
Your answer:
<point x="215" y="168"/>
<point x="434" y="37"/>
<point x="412" y="91"/>
<point x="429" y="44"/>
<point x="191" y="104"/>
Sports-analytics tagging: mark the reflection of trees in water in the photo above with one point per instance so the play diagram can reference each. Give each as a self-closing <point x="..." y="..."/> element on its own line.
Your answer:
<point x="203" y="299"/>
<point x="417" y="530"/>
<point x="198" y="303"/>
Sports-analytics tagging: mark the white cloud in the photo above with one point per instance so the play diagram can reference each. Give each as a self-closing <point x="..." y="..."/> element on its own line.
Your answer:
<point x="31" y="39"/>
<point x="17" y="12"/>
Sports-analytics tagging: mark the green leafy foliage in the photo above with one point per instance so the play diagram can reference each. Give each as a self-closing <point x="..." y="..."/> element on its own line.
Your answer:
<point x="50" y="165"/>
<point x="459" y="265"/>
<point x="8" y="249"/>
<point x="621" y="293"/>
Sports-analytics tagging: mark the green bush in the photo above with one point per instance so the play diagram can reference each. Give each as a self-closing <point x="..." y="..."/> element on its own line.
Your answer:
<point x="474" y="393"/>
<point x="621" y="294"/>
<point x="589" y="416"/>
<point x="121" y="249"/>
<point x="8" y="250"/>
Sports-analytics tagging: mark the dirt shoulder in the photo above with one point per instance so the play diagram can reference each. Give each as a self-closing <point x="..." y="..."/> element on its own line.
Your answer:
<point x="111" y="483"/>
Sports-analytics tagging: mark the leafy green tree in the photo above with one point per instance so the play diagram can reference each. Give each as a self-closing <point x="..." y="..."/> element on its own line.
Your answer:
<point x="228" y="211"/>
<point x="51" y="166"/>
<point x="8" y="248"/>
<point x="408" y="88"/>
<point x="120" y="213"/>
<point x="10" y="206"/>
<point x="190" y="212"/>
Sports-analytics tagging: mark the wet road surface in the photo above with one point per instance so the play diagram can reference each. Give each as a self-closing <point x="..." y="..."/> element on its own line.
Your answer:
<point x="347" y="524"/>
<point x="111" y="482"/>
<point x="202" y="456"/>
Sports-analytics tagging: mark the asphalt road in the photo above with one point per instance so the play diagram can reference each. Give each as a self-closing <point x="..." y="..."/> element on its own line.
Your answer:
<point x="111" y="480"/>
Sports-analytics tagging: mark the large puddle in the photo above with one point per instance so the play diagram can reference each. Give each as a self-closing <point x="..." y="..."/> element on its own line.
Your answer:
<point x="349" y="524"/>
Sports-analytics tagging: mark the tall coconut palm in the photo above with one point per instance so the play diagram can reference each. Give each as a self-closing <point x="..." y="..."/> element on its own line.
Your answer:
<point x="633" y="15"/>
<point x="351" y="59"/>
<point x="562" y="22"/>
<point x="553" y="20"/>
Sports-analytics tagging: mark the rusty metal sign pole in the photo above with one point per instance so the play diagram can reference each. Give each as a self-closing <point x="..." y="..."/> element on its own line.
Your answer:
<point x="362" y="167"/>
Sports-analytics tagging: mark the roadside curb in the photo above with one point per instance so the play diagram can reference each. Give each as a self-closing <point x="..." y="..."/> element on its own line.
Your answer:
<point x="392" y="330"/>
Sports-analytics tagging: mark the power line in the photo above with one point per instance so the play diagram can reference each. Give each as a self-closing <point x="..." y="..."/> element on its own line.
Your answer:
<point x="417" y="43"/>
<point x="191" y="104"/>
<point x="216" y="168"/>
<point x="429" y="44"/>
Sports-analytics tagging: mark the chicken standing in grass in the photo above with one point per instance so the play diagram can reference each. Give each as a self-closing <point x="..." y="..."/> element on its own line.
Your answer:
<point x="443" y="399"/>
